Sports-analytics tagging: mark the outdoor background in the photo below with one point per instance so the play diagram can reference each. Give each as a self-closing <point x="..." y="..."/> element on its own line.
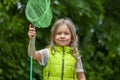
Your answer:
<point x="98" y="29"/>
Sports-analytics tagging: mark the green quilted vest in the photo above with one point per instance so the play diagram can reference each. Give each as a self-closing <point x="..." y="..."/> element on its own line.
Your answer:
<point x="61" y="65"/>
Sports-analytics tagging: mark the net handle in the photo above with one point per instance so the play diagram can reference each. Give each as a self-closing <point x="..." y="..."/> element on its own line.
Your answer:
<point x="31" y="53"/>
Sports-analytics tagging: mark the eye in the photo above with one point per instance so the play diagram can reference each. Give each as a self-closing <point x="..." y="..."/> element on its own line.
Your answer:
<point x="58" y="33"/>
<point x="66" y="33"/>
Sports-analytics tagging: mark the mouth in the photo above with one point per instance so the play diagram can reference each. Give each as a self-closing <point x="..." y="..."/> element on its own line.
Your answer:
<point x="62" y="40"/>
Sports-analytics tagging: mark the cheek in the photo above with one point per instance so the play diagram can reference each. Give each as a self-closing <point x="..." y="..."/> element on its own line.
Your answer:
<point x="55" y="38"/>
<point x="69" y="38"/>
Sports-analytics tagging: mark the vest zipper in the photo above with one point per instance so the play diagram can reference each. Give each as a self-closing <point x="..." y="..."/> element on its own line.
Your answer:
<point x="62" y="74"/>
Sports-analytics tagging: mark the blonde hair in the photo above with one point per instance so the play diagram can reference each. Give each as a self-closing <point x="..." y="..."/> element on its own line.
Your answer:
<point x="71" y="26"/>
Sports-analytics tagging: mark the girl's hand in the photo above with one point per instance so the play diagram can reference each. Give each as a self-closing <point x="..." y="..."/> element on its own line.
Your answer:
<point x="31" y="32"/>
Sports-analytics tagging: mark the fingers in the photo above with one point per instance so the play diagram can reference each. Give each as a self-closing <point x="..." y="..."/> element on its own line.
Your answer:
<point x="31" y="26"/>
<point x="31" y="31"/>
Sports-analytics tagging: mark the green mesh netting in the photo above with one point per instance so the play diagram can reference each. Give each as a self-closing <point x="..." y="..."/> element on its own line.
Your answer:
<point x="38" y="12"/>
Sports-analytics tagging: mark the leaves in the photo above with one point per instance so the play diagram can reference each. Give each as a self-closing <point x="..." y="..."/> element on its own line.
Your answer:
<point x="98" y="29"/>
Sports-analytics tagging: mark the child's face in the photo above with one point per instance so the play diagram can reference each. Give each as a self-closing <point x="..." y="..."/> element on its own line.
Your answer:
<point x="63" y="35"/>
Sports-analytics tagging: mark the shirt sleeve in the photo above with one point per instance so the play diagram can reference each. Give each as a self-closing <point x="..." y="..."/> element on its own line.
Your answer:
<point x="79" y="67"/>
<point x="44" y="53"/>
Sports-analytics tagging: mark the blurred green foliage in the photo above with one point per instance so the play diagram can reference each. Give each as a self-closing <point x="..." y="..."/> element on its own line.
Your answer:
<point x="98" y="29"/>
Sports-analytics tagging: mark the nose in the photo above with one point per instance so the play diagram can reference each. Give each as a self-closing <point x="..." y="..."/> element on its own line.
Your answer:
<point x="62" y="36"/>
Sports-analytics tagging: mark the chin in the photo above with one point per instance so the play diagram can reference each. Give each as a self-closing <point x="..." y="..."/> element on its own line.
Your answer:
<point x="63" y="45"/>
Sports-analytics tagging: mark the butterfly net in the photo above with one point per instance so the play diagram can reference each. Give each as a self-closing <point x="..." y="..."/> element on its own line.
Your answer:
<point x="39" y="13"/>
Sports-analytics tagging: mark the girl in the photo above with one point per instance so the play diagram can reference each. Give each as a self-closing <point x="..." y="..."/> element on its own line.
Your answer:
<point x="61" y="58"/>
